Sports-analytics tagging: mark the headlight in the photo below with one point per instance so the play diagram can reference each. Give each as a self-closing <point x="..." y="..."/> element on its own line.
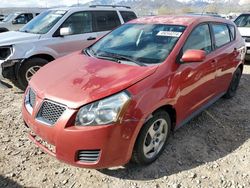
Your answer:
<point x="102" y="112"/>
<point x="5" y="52"/>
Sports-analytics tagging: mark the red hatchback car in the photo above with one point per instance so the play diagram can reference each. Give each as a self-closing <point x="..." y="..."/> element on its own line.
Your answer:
<point x="121" y="97"/>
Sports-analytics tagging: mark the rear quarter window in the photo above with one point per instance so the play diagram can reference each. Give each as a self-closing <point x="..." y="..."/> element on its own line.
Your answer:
<point x="128" y="15"/>
<point x="221" y="34"/>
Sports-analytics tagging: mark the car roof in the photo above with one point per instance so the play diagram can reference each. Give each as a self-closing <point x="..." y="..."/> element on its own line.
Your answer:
<point x="185" y="20"/>
<point x="94" y="7"/>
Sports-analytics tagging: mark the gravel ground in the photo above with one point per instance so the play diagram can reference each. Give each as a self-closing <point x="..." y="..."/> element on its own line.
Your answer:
<point x="213" y="150"/>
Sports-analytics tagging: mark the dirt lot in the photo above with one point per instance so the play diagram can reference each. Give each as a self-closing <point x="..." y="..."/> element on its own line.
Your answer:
<point x="213" y="150"/>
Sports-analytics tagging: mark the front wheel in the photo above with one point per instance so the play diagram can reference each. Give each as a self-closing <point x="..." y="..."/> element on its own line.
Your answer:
<point x="152" y="139"/>
<point x="234" y="84"/>
<point x="28" y="69"/>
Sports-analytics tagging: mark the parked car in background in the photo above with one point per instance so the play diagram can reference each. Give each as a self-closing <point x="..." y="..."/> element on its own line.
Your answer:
<point x="55" y="33"/>
<point x="123" y="95"/>
<point x="243" y="23"/>
<point x="2" y="17"/>
<point x="16" y="20"/>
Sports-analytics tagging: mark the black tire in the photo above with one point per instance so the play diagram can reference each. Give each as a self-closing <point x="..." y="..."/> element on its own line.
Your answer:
<point x="138" y="155"/>
<point x="25" y="67"/>
<point x="234" y="84"/>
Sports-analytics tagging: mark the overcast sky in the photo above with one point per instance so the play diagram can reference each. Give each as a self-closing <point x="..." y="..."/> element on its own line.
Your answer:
<point x="44" y="3"/>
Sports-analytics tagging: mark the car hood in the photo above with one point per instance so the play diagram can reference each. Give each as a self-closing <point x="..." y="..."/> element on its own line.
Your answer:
<point x="76" y="79"/>
<point x="244" y="31"/>
<point x="14" y="37"/>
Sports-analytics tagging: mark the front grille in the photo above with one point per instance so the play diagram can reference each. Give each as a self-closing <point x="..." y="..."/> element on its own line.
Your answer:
<point x="88" y="156"/>
<point x="32" y="98"/>
<point x="50" y="112"/>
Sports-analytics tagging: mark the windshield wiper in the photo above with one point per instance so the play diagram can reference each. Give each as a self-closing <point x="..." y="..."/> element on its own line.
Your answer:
<point x="121" y="57"/>
<point x="90" y="52"/>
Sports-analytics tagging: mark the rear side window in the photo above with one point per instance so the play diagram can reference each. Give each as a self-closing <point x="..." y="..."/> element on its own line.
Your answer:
<point x="106" y="20"/>
<point x="232" y="31"/>
<point x="79" y="23"/>
<point x="127" y="16"/>
<point x="199" y="39"/>
<point x="221" y="34"/>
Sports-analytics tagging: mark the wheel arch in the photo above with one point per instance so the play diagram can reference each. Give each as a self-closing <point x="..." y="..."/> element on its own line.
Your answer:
<point x="241" y="66"/>
<point x="47" y="57"/>
<point x="171" y="111"/>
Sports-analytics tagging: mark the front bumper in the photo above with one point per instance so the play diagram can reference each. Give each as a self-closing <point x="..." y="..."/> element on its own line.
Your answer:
<point x="115" y="142"/>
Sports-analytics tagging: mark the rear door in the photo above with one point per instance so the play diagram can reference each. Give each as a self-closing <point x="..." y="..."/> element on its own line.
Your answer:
<point x="228" y="54"/>
<point x="196" y="80"/>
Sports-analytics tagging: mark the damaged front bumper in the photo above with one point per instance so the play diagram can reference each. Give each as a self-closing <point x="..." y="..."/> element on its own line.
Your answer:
<point x="10" y="68"/>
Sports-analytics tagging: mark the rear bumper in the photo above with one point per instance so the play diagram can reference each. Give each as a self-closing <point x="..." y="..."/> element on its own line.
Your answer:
<point x="115" y="142"/>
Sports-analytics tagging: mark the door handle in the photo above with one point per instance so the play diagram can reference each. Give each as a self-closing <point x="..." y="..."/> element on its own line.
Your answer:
<point x="91" y="38"/>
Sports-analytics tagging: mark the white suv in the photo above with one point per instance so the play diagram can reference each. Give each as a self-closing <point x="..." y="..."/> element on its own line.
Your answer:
<point x="243" y="24"/>
<point x="16" y="20"/>
<point x="55" y="33"/>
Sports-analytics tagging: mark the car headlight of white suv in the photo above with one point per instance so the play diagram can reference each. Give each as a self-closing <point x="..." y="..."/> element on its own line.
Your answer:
<point x="104" y="111"/>
<point x="5" y="52"/>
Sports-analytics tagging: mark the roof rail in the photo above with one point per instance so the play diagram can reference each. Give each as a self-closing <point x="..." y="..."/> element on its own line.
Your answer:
<point x="113" y="6"/>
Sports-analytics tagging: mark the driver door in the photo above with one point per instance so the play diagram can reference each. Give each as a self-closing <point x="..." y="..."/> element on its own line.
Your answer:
<point x="197" y="84"/>
<point x="81" y="36"/>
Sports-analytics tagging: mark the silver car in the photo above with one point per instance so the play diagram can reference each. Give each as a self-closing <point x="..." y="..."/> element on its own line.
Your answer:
<point x="53" y="34"/>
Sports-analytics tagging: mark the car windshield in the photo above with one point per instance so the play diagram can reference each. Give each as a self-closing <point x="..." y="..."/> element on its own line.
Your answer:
<point x="44" y="22"/>
<point x="10" y="17"/>
<point x="145" y="43"/>
<point x="243" y="20"/>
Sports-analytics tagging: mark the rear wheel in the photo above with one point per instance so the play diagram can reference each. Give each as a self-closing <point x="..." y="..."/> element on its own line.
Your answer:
<point x="28" y="69"/>
<point x="152" y="139"/>
<point x="234" y="84"/>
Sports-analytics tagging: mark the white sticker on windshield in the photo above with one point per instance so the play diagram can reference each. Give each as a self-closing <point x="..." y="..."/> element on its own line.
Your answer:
<point x="169" y="34"/>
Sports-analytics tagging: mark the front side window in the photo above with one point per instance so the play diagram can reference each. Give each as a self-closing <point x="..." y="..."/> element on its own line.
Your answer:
<point x="243" y="20"/>
<point x="44" y="22"/>
<point x="106" y="20"/>
<point x="79" y="23"/>
<point x="127" y="16"/>
<point x="146" y="43"/>
<point x="23" y="18"/>
<point x="221" y="34"/>
<point x="199" y="39"/>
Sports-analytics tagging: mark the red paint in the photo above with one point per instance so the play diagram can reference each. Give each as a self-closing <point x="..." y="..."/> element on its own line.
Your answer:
<point x="77" y="80"/>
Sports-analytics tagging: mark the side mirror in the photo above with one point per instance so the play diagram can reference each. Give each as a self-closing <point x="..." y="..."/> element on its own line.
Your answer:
<point x="191" y="56"/>
<point x="14" y="21"/>
<point x="65" y="31"/>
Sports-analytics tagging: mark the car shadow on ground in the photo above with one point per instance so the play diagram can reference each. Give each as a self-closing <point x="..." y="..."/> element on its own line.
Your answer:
<point x="212" y="135"/>
<point x="8" y="183"/>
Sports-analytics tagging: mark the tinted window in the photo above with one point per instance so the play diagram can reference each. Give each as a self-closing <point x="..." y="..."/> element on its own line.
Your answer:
<point x="79" y="23"/>
<point x="243" y="20"/>
<point x="221" y="34"/>
<point x="232" y="31"/>
<point x="200" y="39"/>
<point x="106" y="20"/>
<point x="127" y="16"/>
<point x="145" y="43"/>
<point x="23" y="18"/>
